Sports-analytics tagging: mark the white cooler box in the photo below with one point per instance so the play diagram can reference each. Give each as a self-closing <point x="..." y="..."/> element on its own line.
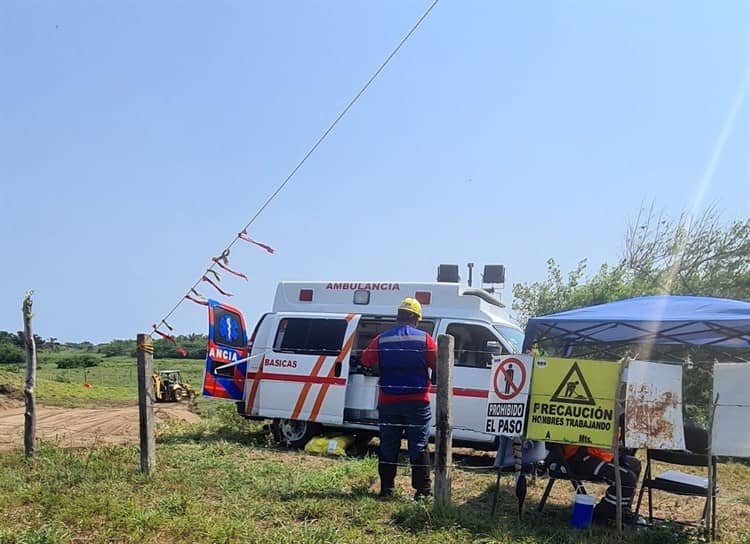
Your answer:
<point x="362" y="392"/>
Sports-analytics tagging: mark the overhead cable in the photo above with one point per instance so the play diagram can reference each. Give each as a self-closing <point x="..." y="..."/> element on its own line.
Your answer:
<point x="311" y="151"/>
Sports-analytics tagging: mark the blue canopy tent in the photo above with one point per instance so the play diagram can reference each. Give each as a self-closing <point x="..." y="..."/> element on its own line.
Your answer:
<point x="669" y="322"/>
<point x="659" y="320"/>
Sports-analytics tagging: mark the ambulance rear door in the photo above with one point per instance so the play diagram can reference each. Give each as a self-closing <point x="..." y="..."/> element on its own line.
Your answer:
<point x="303" y="369"/>
<point x="226" y="353"/>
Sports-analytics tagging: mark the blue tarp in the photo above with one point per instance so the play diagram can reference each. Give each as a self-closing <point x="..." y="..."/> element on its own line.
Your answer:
<point x="661" y="319"/>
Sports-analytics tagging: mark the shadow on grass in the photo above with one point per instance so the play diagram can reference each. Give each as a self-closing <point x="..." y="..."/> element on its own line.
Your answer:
<point x="475" y="516"/>
<point x="356" y="494"/>
<point x="196" y="435"/>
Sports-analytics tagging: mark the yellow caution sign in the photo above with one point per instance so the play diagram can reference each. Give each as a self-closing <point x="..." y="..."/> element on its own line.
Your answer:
<point x="573" y="401"/>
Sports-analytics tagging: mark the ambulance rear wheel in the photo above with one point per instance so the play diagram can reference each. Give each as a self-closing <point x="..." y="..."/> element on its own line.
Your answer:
<point x="293" y="433"/>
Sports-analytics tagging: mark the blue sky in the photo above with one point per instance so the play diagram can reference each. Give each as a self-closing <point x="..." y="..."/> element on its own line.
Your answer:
<point x="137" y="138"/>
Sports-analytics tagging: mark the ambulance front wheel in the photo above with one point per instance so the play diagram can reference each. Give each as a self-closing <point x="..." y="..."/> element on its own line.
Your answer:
<point x="293" y="433"/>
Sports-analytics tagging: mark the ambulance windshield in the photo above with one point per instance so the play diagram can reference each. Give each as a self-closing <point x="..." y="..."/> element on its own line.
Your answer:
<point x="512" y="335"/>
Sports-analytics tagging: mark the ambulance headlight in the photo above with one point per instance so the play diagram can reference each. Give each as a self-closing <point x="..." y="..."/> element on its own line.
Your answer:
<point x="361" y="296"/>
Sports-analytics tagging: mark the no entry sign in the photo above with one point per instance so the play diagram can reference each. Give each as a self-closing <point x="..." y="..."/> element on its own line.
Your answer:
<point x="508" y="394"/>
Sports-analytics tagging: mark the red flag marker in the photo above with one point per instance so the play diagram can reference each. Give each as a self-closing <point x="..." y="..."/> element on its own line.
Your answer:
<point x="225" y="267"/>
<point x="219" y="289"/>
<point x="243" y="235"/>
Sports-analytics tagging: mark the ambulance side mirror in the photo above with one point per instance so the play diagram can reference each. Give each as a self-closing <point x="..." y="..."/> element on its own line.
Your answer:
<point x="492" y="348"/>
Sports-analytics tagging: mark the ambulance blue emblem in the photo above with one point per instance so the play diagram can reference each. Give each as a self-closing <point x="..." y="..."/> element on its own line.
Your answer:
<point x="229" y="328"/>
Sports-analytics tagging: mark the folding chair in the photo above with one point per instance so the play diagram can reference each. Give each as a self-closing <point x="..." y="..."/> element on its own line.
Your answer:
<point x="680" y="483"/>
<point x="558" y="469"/>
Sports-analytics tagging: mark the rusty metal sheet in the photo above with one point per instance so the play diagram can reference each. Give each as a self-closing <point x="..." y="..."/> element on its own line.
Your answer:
<point x="653" y="406"/>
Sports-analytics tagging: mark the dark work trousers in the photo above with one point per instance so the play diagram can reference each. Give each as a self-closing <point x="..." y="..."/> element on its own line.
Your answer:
<point x="590" y="467"/>
<point x="410" y="419"/>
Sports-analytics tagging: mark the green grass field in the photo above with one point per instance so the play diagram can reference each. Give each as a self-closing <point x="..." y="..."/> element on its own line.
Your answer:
<point x="223" y="481"/>
<point x="113" y="382"/>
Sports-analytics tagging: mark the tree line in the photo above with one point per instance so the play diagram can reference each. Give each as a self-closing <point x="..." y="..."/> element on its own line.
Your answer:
<point x="12" y="347"/>
<point x="661" y="255"/>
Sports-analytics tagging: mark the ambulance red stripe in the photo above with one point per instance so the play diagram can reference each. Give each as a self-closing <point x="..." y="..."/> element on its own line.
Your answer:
<point x="213" y="388"/>
<point x="298" y="378"/>
<point x="254" y="389"/>
<point x="306" y="388"/>
<point x="313" y="373"/>
<point x="465" y="392"/>
<point x="324" y="388"/>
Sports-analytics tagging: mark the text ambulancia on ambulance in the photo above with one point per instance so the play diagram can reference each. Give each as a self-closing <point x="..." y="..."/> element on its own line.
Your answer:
<point x="301" y="367"/>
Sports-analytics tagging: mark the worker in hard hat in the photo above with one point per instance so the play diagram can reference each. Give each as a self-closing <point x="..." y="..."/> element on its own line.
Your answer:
<point x="404" y="355"/>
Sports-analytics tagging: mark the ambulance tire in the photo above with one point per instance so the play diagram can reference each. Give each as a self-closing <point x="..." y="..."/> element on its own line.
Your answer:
<point x="294" y="434"/>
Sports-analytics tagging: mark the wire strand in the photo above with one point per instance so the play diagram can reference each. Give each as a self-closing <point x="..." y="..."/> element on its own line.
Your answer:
<point x="317" y="143"/>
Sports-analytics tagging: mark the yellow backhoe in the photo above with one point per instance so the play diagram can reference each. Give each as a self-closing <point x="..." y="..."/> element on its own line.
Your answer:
<point x="169" y="387"/>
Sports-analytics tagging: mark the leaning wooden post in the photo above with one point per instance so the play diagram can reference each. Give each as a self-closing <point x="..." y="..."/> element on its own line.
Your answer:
<point x="145" y="355"/>
<point x="29" y="428"/>
<point x="619" y="410"/>
<point x="443" y="421"/>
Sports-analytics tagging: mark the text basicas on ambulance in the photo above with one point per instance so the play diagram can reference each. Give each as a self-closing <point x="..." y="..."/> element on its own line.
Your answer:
<point x="283" y="363"/>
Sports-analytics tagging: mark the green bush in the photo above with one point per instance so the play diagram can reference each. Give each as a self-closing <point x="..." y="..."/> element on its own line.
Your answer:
<point x="118" y="348"/>
<point x="78" y="361"/>
<point x="11" y="355"/>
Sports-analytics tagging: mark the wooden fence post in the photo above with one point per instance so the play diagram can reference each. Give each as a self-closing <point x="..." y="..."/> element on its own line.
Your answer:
<point x="443" y="421"/>
<point x="145" y="355"/>
<point x="711" y="512"/>
<point x="29" y="427"/>
<point x="620" y="395"/>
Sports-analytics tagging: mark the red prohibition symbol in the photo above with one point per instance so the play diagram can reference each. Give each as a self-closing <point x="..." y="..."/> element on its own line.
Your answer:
<point x="511" y="370"/>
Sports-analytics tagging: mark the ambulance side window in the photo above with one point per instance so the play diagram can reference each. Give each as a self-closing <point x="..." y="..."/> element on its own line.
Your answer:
<point x="307" y="336"/>
<point x="470" y="345"/>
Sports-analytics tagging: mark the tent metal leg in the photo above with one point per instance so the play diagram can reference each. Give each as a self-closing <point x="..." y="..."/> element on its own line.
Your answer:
<point x="497" y="494"/>
<point x="545" y="495"/>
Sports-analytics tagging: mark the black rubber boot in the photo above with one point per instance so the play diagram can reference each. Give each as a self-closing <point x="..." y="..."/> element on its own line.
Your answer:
<point x="604" y="513"/>
<point x="387" y="472"/>
<point x="420" y="475"/>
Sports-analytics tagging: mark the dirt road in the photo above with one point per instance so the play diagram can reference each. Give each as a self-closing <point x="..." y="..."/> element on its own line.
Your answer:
<point x="77" y="427"/>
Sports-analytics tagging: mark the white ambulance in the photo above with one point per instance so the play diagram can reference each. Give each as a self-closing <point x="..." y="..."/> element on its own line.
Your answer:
<point x="304" y="373"/>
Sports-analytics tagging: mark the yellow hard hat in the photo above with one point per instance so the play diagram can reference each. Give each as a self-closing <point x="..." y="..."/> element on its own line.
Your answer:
<point x="411" y="305"/>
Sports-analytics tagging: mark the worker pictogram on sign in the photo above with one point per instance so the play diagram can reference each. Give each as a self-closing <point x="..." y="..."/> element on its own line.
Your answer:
<point x="509" y="378"/>
<point x="508" y="395"/>
<point x="573" y="388"/>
